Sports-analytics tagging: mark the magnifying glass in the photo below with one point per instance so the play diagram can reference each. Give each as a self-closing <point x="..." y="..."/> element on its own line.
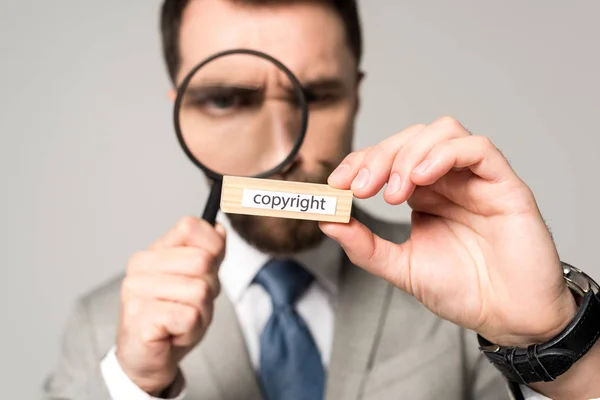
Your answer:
<point x="239" y="112"/>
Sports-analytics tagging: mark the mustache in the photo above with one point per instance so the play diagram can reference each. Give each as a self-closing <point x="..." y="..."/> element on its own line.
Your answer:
<point x="296" y="173"/>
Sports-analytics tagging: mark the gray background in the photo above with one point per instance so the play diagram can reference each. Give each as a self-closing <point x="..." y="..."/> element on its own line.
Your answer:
<point x="91" y="171"/>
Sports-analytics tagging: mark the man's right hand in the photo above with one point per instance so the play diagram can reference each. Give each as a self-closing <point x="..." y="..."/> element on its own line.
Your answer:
<point x="167" y="302"/>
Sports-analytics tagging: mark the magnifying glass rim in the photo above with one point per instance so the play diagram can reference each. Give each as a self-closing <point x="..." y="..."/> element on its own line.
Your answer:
<point x="297" y="88"/>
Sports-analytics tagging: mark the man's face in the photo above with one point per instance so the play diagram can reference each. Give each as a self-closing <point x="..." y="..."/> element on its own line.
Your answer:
<point x="309" y="38"/>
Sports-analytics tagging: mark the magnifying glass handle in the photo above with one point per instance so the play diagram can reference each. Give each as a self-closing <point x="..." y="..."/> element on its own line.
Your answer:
<point x="213" y="203"/>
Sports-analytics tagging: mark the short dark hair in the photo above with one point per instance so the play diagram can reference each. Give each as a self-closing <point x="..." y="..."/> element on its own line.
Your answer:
<point x="172" y="15"/>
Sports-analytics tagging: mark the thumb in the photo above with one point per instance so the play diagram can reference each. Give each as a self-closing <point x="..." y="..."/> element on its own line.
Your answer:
<point x="375" y="255"/>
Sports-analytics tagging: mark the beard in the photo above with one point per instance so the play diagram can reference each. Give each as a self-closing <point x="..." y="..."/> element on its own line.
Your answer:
<point x="280" y="236"/>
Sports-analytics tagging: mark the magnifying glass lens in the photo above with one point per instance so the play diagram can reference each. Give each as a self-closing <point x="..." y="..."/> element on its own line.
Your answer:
<point x="240" y="115"/>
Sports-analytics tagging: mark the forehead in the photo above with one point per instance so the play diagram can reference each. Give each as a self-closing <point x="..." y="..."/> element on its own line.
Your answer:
<point x="307" y="37"/>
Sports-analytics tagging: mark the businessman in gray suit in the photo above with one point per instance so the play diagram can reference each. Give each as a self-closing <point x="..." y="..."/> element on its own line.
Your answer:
<point x="286" y="309"/>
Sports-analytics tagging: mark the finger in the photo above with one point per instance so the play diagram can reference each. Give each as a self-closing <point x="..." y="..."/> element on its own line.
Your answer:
<point x="377" y="256"/>
<point x="488" y="187"/>
<point x="186" y="324"/>
<point x="191" y="231"/>
<point x="484" y="198"/>
<point x="181" y="323"/>
<point x="413" y="153"/>
<point x="194" y="292"/>
<point x="193" y="336"/>
<point x="474" y="152"/>
<point x="193" y="262"/>
<point x="426" y="200"/>
<point x="342" y="176"/>
<point x="374" y="170"/>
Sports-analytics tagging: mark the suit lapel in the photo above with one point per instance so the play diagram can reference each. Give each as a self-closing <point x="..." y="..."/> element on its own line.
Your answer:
<point x="361" y="309"/>
<point x="222" y="357"/>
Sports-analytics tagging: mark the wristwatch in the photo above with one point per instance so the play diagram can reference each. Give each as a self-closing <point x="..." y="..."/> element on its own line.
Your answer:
<point x="545" y="362"/>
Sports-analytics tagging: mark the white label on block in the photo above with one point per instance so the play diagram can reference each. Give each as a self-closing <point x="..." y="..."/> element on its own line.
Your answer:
<point x="303" y="203"/>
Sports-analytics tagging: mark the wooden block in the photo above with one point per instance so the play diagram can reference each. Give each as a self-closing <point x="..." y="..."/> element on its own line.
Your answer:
<point x="283" y="199"/>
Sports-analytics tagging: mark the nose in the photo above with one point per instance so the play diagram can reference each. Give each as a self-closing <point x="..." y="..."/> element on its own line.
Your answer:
<point x="285" y="129"/>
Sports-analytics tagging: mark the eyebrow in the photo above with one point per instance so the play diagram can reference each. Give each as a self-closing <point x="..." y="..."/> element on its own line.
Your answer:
<point x="324" y="84"/>
<point x="328" y="84"/>
<point x="200" y="90"/>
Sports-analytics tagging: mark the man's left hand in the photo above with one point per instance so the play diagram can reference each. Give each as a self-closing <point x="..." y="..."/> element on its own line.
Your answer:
<point x="480" y="254"/>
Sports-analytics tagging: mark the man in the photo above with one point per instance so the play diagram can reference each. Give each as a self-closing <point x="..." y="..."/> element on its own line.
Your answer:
<point x="365" y="310"/>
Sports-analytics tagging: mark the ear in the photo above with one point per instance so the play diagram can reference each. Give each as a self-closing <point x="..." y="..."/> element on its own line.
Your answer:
<point x="172" y="94"/>
<point x="360" y="76"/>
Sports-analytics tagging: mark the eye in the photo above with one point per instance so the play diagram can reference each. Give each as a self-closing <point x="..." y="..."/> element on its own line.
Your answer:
<point x="220" y="101"/>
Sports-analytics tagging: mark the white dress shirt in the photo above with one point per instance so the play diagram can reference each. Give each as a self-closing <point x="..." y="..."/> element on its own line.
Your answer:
<point x="253" y="304"/>
<point x="253" y="307"/>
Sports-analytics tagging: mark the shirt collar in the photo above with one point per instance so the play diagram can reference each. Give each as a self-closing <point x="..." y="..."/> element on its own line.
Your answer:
<point x="242" y="262"/>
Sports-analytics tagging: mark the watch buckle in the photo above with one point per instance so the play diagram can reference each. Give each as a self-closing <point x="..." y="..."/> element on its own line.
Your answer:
<point x="492" y="348"/>
<point x="578" y="281"/>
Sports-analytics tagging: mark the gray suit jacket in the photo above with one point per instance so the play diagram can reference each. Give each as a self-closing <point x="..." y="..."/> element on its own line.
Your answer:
<point x="386" y="346"/>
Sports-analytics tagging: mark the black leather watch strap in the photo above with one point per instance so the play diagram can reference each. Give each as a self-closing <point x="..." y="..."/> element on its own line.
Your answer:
<point x="544" y="362"/>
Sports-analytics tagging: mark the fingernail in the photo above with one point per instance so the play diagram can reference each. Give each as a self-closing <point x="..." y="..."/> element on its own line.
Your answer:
<point x="423" y="167"/>
<point x="340" y="171"/>
<point x="220" y="229"/>
<point x="394" y="184"/>
<point x="361" y="180"/>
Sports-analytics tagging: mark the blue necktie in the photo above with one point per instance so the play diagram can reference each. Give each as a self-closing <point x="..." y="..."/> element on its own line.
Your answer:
<point x="290" y="363"/>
